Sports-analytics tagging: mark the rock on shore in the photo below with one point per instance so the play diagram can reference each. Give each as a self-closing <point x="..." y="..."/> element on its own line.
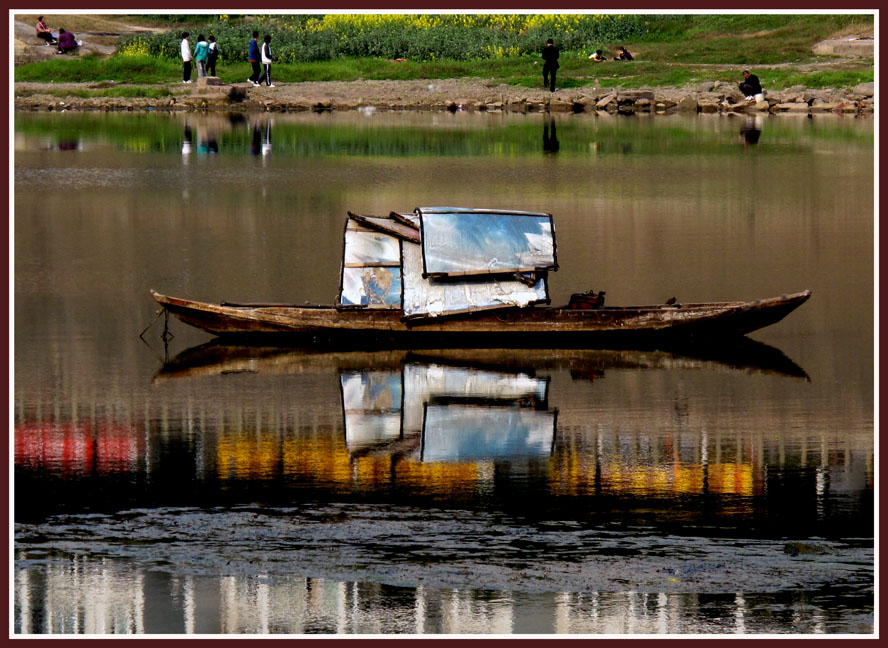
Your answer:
<point x="448" y="95"/>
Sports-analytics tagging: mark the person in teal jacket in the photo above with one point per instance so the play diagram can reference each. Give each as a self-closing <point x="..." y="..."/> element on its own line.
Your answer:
<point x="201" y="51"/>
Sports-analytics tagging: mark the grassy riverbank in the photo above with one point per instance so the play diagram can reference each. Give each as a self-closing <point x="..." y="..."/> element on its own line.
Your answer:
<point x="669" y="50"/>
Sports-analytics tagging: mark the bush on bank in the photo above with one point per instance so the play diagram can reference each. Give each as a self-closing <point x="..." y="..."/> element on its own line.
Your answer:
<point x="421" y="37"/>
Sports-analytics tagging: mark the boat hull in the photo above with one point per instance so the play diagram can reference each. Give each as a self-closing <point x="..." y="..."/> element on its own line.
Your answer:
<point x="537" y="327"/>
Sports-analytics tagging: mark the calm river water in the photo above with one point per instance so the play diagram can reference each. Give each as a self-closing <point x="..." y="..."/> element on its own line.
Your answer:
<point x="194" y="487"/>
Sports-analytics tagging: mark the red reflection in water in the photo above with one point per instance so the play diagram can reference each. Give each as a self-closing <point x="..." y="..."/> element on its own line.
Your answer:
<point x="77" y="449"/>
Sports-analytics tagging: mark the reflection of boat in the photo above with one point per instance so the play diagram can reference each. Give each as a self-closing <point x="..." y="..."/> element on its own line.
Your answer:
<point x="445" y="276"/>
<point x="221" y="357"/>
<point x="445" y="413"/>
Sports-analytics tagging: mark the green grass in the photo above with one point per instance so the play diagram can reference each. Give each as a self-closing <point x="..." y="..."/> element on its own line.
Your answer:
<point x="76" y="69"/>
<point x="517" y="71"/>
<point x="677" y="50"/>
<point x="128" y="92"/>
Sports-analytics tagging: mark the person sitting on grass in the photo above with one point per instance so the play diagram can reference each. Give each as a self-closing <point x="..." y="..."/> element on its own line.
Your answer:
<point x="750" y="86"/>
<point x="598" y="57"/>
<point x="623" y="54"/>
<point x="67" y="42"/>
<point x="43" y="32"/>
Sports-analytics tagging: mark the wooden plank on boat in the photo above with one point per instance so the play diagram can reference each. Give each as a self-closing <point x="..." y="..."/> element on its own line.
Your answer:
<point x="388" y="226"/>
<point x="463" y="242"/>
<point x="431" y="297"/>
<point x="411" y="220"/>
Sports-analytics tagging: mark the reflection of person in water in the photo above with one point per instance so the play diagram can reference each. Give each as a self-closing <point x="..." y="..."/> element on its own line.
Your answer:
<point x="751" y="131"/>
<point x="256" y="140"/>
<point x="550" y="138"/>
<point x="186" y="142"/>
<point x="260" y="144"/>
<point x="266" y="141"/>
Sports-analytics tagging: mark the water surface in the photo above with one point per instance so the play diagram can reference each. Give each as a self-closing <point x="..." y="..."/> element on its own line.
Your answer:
<point x="197" y="487"/>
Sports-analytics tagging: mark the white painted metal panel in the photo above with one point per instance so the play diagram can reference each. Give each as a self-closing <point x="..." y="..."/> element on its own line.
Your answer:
<point x="432" y="297"/>
<point x="371" y="248"/>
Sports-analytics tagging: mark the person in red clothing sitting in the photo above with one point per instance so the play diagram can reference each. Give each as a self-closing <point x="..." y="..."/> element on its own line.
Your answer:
<point x="43" y="32"/>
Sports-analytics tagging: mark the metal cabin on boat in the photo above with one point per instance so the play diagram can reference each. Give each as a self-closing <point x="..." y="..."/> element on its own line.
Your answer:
<point x="447" y="261"/>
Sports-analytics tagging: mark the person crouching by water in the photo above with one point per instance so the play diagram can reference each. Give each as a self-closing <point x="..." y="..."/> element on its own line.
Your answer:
<point x="550" y="64"/>
<point x="623" y="54"/>
<point x="43" y="32"/>
<point x="750" y="86"/>
<point x="67" y="42"/>
<point x="598" y="57"/>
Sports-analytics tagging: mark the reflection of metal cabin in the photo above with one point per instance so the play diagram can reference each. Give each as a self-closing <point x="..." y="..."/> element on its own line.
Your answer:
<point x="455" y="413"/>
<point x="447" y="260"/>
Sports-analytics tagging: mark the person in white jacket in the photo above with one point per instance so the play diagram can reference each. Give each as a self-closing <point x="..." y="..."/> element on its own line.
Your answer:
<point x="186" y="59"/>
<point x="267" y="58"/>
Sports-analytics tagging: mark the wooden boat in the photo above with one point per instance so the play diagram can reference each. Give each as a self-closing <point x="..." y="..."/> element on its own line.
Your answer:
<point x="445" y="276"/>
<point x="533" y="326"/>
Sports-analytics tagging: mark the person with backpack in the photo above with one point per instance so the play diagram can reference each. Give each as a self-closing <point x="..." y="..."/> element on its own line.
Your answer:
<point x="212" y="56"/>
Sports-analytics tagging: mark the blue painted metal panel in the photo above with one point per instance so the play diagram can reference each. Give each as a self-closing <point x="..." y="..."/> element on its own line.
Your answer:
<point x="373" y="287"/>
<point x="459" y="242"/>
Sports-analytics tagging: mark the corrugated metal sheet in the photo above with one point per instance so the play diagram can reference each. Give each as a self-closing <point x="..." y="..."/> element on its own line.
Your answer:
<point x="471" y="242"/>
<point x="428" y="297"/>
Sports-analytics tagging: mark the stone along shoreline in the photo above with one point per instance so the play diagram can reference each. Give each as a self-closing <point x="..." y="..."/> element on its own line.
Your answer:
<point x="443" y="95"/>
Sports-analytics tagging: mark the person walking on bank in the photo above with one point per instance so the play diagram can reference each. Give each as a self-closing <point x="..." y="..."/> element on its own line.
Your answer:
<point x="212" y="56"/>
<point x="186" y="58"/>
<point x="267" y="58"/>
<point x="750" y="86"/>
<point x="550" y="64"/>
<point x="254" y="60"/>
<point x="201" y="50"/>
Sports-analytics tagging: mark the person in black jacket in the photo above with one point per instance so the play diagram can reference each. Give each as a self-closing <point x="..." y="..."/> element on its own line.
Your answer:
<point x="623" y="54"/>
<point x="550" y="64"/>
<point x="750" y="86"/>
